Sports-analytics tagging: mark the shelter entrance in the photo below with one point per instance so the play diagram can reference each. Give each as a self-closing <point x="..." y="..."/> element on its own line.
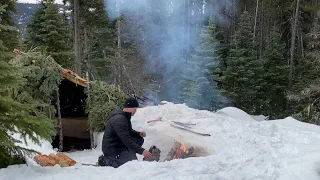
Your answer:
<point x="76" y="134"/>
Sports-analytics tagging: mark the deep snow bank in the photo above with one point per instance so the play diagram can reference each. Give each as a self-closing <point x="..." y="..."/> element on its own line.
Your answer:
<point x="237" y="149"/>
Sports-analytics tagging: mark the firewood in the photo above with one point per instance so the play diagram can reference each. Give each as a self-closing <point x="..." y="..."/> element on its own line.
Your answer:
<point x="172" y="153"/>
<point x="45" y="160"/>
<point x="70" y="161"/>
<point x="61" y="161"/>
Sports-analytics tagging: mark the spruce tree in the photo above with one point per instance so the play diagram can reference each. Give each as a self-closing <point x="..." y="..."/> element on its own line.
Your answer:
<point x="8" y="34"/>
<point x="242" y="81"/>
<point x="275" y="77"/>
<point x="49" y="30"/>
<point x="199" y="89"/>
<point x="17" y="117"/>
<point x="33" y="28"/>
<point x="99" y="39"/>
<point x="306" y="93"/>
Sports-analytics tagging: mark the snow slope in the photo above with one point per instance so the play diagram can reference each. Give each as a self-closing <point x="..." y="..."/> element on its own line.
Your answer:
<point x="238" y="148"/>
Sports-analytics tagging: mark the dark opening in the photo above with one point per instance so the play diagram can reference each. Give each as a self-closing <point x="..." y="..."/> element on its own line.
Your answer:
<point x="72" y="99"/>
<point x="74" y="119"/>
<point x="72" y="143"/>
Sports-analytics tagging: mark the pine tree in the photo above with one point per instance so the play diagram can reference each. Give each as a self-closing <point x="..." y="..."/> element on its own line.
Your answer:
<point x="8" y="34"/>
<point x="33" y="38"/>
<point x="199" y="87"/>
<point x="99" y="39"/>
<point x="242" y="81"/>
<point x="275" y="77"/>
<point x="17" y="117"/>
<point x="306" y="93"/>
<point x="49" y="30"/>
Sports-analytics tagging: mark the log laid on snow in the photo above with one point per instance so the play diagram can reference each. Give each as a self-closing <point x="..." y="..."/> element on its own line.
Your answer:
<point x="61" y="161"/>
<point x="70" y="161"/>
<point x="54" y="159"/>
<point x="45" y="160"/>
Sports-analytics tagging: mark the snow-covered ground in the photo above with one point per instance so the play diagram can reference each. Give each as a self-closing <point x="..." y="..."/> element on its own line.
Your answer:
<point x="240" y="147"/>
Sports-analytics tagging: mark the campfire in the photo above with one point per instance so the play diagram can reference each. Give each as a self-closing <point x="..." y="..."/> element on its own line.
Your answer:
<point x="180" y="151"/>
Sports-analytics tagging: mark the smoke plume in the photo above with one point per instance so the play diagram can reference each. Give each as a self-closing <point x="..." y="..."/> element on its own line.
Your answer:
<point x="170" y="30"/>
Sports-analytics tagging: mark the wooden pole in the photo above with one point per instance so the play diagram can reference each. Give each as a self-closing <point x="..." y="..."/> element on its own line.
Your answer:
<point x="60" y="122"/>
<point x="91" y="133"/>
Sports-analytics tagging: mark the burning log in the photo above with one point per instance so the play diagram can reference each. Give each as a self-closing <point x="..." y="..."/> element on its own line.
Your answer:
<point x="179" y="151"/>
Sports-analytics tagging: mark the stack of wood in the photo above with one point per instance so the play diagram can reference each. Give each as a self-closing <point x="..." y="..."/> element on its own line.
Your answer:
<point x="179" y="151"/>
<point x="54" y="159"/>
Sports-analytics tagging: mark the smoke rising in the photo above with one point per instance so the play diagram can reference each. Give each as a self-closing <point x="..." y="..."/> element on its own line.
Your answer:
<point x="170" y="31"/>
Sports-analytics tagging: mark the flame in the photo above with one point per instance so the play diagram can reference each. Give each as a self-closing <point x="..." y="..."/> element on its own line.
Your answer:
<point x="184" y="148"/>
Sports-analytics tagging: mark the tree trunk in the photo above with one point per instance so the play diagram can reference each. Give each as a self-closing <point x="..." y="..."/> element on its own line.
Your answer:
<point x="255" y="19"/>
<point x="119" y="28"/>
<point x="293" y="39"/>
<point x="188" y="27"/>
<point x="118" y="52"/>
<point x="301" y="41"/>
<point x="60" y="122"/>
<point x="76" y="36"/>
<point x="261" y="30"/>
<point x="86" y="48"/>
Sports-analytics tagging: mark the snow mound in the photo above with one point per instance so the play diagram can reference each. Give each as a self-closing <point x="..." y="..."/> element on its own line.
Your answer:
<point x="260" y="118"/>
<point x="238" y="148"/>
<point x="236" y="113"/>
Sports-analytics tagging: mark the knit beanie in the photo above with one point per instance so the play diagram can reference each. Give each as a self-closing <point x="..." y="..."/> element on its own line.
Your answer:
<point x="131" y="103"/>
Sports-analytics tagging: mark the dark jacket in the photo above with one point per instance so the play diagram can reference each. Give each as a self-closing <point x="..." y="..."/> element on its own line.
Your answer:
<point x="118" y="133"/>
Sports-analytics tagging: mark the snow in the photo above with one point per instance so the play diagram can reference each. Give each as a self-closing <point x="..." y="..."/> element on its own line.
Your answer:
<point x="236" y="113"/>
<point x="239" y="147"/>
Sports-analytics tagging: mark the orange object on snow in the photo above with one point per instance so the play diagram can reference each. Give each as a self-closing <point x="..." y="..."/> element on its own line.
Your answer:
<point x="62" y="162"/>
<point x="70" y="161"/>
<point x="54" y="159"/>
<point x="45" y="160"/>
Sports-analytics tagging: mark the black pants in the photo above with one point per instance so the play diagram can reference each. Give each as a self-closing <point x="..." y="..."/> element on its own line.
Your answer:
<point x="124" y="157"/>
